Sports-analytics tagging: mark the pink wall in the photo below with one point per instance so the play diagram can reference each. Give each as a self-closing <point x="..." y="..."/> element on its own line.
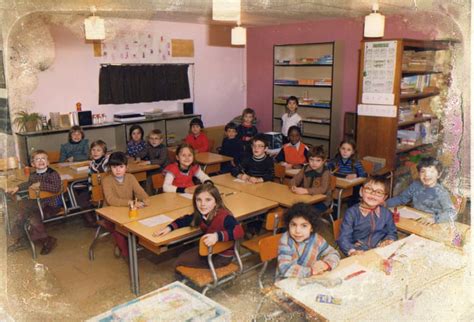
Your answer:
<point x="260" y="42"/>
<point x="219" y="80"/>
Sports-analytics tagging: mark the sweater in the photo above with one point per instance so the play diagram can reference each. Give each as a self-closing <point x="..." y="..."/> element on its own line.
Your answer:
<point x="343" y="167"/>
<point x="199" y="143"/>
<point x="293" y="154"/>
<point x="288" y="120"/>
<point x="97" y="166"/>
<point x="259" y="168"/>
<point x="224" y="224"/>
<point x="155" y="154"/>
<point x="50" y="181"/>
<point x="177" y="179"/>
<point x="435" y="201"/>
<point x="78" y="150"/>
<point x="232" y="148"/>
<point x="316" y="181"/>
<point x="134" y="147"/>
<point x="364" y="232"/>
<point x="246" y="133"/>
<point x="296" y="259"/>
<point x="118" y="194"/>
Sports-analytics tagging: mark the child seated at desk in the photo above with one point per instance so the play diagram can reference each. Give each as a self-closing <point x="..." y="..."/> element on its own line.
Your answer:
<point x="427" y="194"/>
<point x="44" y="179"/>
<point x="293" y="155"/>
<point x="258" y="167"/>
<point x="215" y="221"/>
<point x="136" y="142"/>
<point x="179" y="175"/>
<point x="232" y="147"/>
<point x="314" y="178"/>
<point x="119" y="189"/>
<point x="156" y="153"/>
<point x="368" y="225"/>
<point x="197" y="139"/>
<point x="77" y="147"/>
<point x="303" y="252"/>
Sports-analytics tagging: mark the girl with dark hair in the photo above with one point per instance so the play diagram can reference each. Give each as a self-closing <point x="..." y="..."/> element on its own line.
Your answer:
<point x="136" y="142"/>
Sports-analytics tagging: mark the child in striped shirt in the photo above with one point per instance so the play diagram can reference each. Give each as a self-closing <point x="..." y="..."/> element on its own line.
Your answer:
<point x="302" y="251"/>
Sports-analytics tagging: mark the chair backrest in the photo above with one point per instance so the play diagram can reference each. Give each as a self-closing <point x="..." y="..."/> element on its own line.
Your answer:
<point x="218" y="247"/>
<point x="38" y="194"/>
<point x="211" y="145"/>
<point x="97" y="194"/>
<point x="274" y="220"/>
<point x="336" y="228"/>
<point x="53" y="156"/>
<point x="171" y="155"/>
<point x="158" y="180"/>
<point x="279" y="172"/>
<point x="368" y="166"/>
<point x="332" y="183"/>
<point x="268" y="247"/>
<point x="459" y="203"/>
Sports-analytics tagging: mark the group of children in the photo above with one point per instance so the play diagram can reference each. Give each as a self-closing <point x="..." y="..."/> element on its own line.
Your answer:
<point x="302" y="250"/>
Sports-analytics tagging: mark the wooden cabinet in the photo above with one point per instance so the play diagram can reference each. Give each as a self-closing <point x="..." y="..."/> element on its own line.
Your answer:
<point x="313" y="73"/>
<point x="398" y="81"/>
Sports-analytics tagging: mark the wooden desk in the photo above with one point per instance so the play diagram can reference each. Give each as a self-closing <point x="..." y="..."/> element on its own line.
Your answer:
<point x="211" y="162"/>
<point x="268" y="190"/>
<point x="442" y="232"/>
<point x="240" y="204"/>
<point x="424" y="263"/>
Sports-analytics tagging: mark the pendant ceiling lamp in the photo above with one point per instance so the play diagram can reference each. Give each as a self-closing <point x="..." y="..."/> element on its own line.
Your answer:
<point x="239" y="35"/>
<point x="374" y="25"/>
<point x="94" y="27"/>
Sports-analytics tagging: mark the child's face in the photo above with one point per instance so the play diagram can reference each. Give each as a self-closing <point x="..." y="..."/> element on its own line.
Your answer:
<point x="294" y="137"/>
<point x="300" y="229"/>
<point x="136" y="135"/>
<point x="231" y="133"/>
<point x="429" y="176"/>
<point x="97" y="152"/>
<point x="258" y="148"/>
<point x="248" y="118"/>
<point x="155" y="140"/>
<point x="292" y="106"/>
<point x="185" y="157"/>
<point x="373" y="194"/>
<point x="76" y="136"/>
<point x="346" y="150"/>
<point x="205" y="203"/>
<point x="40" y="161"/>
<point x="316" y="163"/>
<point x="118" y="170"/>
<point x="195" y="129"/>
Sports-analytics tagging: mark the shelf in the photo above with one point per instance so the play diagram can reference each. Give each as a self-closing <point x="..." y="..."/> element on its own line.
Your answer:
<point x="306" y="121"/>
<point x="302" y="65"/>
<point x="406" y="148"/>
<point x="409" y="97"/>
<point x="296" y="85"/>
<point x="415" y="121"/>
<point x="413" y="73"/>
<point x="315" y="136"/>
<point x="309" y="106"/>
<point x="424" y="45"/>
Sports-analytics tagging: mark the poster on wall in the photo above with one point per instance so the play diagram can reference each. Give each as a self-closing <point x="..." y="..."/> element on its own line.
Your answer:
<point x="379" y="72"/>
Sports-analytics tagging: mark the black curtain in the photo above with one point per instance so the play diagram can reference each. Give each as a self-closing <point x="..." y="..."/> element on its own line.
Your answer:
<point x="143" y="83"/>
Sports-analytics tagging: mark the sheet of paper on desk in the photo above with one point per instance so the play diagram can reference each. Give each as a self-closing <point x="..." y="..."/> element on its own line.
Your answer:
<point x="63" y="164"/>
<point x="409" y="213"/>
<point x="187" y="195"/>
<point x="346" y="271"/>
<point x="155" y="221"/>
<point x="66" y="177"/>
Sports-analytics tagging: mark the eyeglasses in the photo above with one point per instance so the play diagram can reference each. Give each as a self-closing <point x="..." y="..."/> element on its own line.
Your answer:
<point x="40" y="159"/>
<point x="378" y="193"/>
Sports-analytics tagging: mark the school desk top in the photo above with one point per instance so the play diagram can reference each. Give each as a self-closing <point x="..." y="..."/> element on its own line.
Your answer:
<point x="418" y="264"/>
<point x="442" y="232"/>
<point x="268" y="190"/>
<point x="158" y="204"/>
<point x="240" y="204"/>
<point x="208" y="158"/>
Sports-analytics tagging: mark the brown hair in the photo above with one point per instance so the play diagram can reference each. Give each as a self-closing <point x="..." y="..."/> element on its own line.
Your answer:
<point x="184" y="146"/>
<point x="36" y="152"/>
<point x="378" y="179"/>
<point x="100" y="143"/>
<point x="353" y="157"/>
<point x="317" y="152"/>
<point x="248" y="110"/>
<point x="155" y="132"/>
<point x="214" y="192"/>
<point x="75" y="128"/>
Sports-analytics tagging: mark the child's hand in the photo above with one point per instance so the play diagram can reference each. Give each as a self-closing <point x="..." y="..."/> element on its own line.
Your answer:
<point x="298" y="190"/>
<point x="318" y="268"/>
<point x="140" y="204"/>
<point x="13" y="190"/>
<point x="244" y="177"/>
<point x="70" y="159"/>
<point x="288" y="166"/>
<point x="385" y="242"/>
<point x="254" y="180"/>
<point x="162" y="232"/>
<point x="351" y="176"/>
<point x="353" y="252"/>
<point x="35" y="186"/>
<point x="210" y="239"/>
<point x="190" y="189"/>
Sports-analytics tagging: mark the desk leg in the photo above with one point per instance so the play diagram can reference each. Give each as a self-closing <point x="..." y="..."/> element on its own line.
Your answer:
<point x="72" y="196"/>
<point x="133" y="264"/>
<point x="5" y="212"/>
<point x="339" y="203"/>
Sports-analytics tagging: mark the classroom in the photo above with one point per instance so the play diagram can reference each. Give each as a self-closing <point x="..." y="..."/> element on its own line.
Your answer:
<point x="235" y="160"/>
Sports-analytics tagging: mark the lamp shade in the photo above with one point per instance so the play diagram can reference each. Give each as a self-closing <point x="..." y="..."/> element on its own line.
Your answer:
<point x="226" y="10"/>
<point x="238" y="36"/>
<point x="94" y="28"/>
<point x="374" y="25"/>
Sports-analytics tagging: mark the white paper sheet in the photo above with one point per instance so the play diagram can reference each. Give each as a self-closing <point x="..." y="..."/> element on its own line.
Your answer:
<point x="346" y="271"/>
<point x="409" y="213"/>
<point x="66" y="177"/>
<point x="187" y="195"/>
<point x="157" y="220"/>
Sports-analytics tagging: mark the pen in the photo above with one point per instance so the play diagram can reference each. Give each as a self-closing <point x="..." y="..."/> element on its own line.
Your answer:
<point x="348" y="277"/>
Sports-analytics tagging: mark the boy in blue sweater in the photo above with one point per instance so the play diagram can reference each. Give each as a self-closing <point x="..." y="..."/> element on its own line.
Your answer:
<point x="368" y="224"/>
<point x="232" y="146"/>
<point x="427" y="194"/>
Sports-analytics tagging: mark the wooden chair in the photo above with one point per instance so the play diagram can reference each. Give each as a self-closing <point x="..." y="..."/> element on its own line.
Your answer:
<point x="336" y="228"/>
<point x="53" y="156"/>
<point x="212" y="277"/>
<point x="39" y="195"/>
<point x="171" y="155"/>
<point x="158" y="180"/>
<point x="280" y="173"/>
<point x="211" y="145"/>
<point x="368" y="166"/>
<point x="272" y="223"/>
<point x="97" y="198"/>
<point x="332" y="185"/>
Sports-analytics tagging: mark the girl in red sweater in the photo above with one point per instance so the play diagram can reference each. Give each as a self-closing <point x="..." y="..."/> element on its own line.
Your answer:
<point x="216" y="222"/>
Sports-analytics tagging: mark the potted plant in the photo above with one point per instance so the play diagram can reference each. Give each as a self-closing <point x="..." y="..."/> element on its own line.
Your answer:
<point x="28" y="122"/>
